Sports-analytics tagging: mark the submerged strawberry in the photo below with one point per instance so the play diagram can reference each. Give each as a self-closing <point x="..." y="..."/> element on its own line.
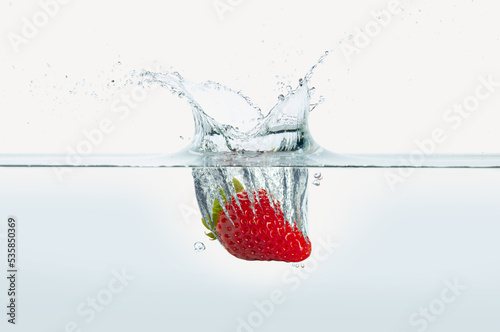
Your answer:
<point x="257" y="230"/>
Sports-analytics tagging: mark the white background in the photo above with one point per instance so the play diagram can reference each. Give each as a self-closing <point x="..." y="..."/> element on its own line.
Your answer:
<point x="397" y="247"/>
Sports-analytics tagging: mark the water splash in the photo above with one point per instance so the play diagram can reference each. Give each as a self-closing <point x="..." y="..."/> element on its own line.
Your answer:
<point x="227" y="121"/>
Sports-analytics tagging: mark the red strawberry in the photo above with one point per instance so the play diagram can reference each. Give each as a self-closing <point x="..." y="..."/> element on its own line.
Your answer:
<point x="258" y="233"/>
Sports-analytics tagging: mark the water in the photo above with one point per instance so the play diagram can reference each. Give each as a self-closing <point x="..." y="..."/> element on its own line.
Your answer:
<point x="318" y="176"/>
<point x="199" y="246"/>
<point x="381" y="236"/>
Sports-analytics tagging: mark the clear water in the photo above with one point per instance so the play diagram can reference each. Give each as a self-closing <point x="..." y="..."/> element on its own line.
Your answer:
<point x="392" y="254"/>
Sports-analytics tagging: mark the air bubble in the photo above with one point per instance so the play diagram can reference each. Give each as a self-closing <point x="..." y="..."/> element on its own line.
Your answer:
<point x="289" y="89"/>
<point x="281" y="97"/>
<point x="318" y="176"/>
<point x="316" y="182"/>
<point x="295" y="265"/>
<point x="302" y="265"/>
<point x="199" y="246"/>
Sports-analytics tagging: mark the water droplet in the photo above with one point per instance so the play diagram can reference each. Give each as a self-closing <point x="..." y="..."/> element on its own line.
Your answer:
<point x="318" y="176"/>
<point x="289" y="89"/>
<point x="350" y="36"/>
<point x="281" y="97"/>
<point x="302" y="265"/>
<point x="301" y="81"/>
<point x="182" y="138"/>
<point x="199" y="246"/>
<point x="316" y="182"/>
<point x="295" y="265"/>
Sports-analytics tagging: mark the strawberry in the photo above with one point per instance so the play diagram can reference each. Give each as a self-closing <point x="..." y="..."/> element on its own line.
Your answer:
<point x="256" y="231"/>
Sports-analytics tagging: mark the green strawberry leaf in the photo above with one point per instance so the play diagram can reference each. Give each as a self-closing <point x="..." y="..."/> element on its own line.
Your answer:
<point x="237" y="185"/>
<point x="211" y="236"/>
<point x="205" y="223"/>
<point x="222" y="194"/>
<point x="216" y="210"/>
